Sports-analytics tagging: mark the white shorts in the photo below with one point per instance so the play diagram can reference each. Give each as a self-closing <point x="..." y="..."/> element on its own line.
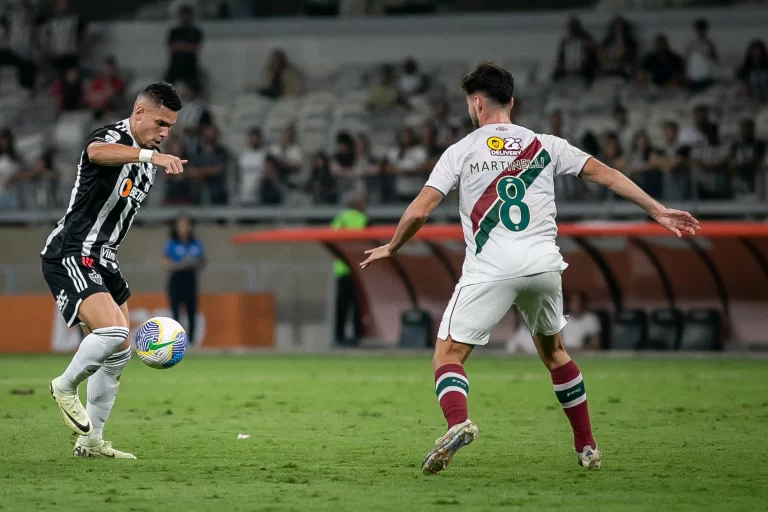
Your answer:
<point x="475" y="309"/>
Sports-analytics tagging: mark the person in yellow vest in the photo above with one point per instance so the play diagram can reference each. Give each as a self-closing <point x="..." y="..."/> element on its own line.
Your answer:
<point x="352" y="217"/>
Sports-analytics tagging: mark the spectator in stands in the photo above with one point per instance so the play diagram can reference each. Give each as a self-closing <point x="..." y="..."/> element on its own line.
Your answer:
<point x="322" y="186"/>
<point x="577" y="55"/>
<point x="10" y="167"/>
<point x="367" y="166"/>
<point x="180" y="189"/>
<point x="556" y="126"/>
<point x="183" y="258"/>
<point x="747" y="158"/>
<point x="105" y="87"/>
<point x="288" y="154"/>
<point x="209" y="165"/>
<point x="194" y="113"/>
<point x="411" y="82"/>
<point x="64" y="36"/>
<point x="705" y="129"/>
<point x="583" y="328"/>
<point x="404" y="166"/>
<point x="41" y="182"/>
<point x="281" y="78"/>
<point x="385" y="95"/>
<point x="701" y="58"/>
<point x="20" y="42"/>
<point x="611" y="152"/>
<point x="618" y="51"/>
<point x="428" y="140"/>
<point x="663" y="67"/>
<point x="184" y="41"/>
<point x="107" y="115"/>
<point x="68" y="91"/>
<point x="623" y="129"/>
<point x="272" y="190"/>
<point x="708" y="159"/>
<point x="251" y="167"/>
<point x="673" y="159"/>
<point x="753" y="73"/>
<point x="640" y="165"/>
<point x="441" y="119"/>
<point x="352" y="217"/>
<point x="345" y="169"/>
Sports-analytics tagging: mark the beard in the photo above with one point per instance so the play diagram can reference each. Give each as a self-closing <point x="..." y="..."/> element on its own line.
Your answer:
<point x="473" y="118"/>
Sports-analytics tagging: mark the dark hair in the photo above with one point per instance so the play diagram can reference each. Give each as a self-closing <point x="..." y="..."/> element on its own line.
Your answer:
<point x="345" y="138"/>
<point x="747" y="65"/>
<point x="701" y="24"/>
<point x="491" y="80"/>
<point x="163" y="94"/>
<point x="6" y="133"/>
<point x="175" y="234"/>
<point x="255" y="130"/>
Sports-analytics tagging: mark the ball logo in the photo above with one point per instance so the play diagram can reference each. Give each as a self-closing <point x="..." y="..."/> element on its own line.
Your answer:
<point x="508" y="146"/>
<point x="125" y="187"/>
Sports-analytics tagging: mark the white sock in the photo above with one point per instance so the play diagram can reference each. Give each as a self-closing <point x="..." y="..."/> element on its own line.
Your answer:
<point x="93" y="351"/>
<point x="102" y="391"/>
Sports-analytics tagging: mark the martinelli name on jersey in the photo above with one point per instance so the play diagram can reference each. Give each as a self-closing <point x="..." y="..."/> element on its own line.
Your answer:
<point x="505" y="175"/>
<point x="103" y="203"/>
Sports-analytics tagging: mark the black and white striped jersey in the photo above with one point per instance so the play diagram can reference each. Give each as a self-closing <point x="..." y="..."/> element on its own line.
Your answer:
<point x="103" y="203"/>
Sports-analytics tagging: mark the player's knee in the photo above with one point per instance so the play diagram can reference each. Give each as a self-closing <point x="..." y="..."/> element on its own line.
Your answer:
<point x="114" y="336"/>
<point x="449" y="352"/>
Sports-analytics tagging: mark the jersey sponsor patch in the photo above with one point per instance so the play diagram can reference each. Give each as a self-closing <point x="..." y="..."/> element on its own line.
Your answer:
<point x="108" y="254"/>
<point x="62" y="301"/>
<point x="112" y="136"/>
<point x="96" y="277"/>
<point x="125" y="187"/>
<point x="508" y="146"/>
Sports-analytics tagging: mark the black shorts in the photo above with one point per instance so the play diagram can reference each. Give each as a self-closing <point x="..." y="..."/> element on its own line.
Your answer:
<point x="75" y="278"/>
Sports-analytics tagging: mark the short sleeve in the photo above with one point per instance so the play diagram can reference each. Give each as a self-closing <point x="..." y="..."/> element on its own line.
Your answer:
<point x="568" y="159"/>
<point x="168" y="252"/>
<point x="445" y="175"/>
<point x="109" y="135"/>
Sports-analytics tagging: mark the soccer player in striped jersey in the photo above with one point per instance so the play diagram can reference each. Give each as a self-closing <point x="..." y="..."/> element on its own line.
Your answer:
<point x="79" y="261"/>
<point x="504" y="174"/>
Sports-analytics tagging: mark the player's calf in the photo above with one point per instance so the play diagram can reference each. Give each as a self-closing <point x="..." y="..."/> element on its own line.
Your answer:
<point x="570" y="391"/>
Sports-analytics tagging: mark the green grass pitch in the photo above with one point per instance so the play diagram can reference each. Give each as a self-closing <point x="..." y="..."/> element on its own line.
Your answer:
<point x="339" y="433"/>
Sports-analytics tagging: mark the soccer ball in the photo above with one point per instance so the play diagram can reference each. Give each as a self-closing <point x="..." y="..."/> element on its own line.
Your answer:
<point x="161" y="342"/>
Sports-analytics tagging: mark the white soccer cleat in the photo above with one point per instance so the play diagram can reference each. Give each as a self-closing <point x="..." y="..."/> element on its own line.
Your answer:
<point x="457" y="437"/>
<point x="589" y="458"/>
<point x="98" y="449"/>
<point x="72" y="410"/>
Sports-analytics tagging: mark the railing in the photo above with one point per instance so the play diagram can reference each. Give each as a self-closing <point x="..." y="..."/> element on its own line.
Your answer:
<point x="388" y="213"/>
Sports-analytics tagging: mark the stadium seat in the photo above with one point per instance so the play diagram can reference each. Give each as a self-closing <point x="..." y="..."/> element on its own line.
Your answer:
<point x="702" y="330"/>
<point x="604" y="317"/>
<point x="629" y="329"/>
<point x="415" y="329"/>
<point x="665" y="327"/>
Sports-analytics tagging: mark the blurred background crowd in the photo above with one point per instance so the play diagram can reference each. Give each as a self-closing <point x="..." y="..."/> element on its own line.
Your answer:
<point x="681" y="121"/>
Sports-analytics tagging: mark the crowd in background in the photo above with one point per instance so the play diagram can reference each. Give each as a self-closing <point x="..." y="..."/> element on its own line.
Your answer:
<point x="44" y="50"/>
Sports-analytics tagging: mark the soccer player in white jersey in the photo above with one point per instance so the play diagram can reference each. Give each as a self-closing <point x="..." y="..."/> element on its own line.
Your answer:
<point x="505" y="173"/>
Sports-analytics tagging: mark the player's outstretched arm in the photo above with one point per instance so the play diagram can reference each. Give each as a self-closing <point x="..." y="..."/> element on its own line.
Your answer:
<point x="103" y="153"/>
<point x="410" y="223"/>
<point x="676" y="221"/>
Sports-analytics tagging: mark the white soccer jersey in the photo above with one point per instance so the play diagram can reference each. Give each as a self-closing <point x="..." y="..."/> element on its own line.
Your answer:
<point x="506" y="199"/>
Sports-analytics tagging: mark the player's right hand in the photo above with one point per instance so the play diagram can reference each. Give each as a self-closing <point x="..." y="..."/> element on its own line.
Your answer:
<point x="171" y="164"/>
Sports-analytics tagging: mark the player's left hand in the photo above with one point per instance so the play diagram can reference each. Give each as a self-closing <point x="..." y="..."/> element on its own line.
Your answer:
<point x="378" y="253"/>
<point x="677" y="221"/>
